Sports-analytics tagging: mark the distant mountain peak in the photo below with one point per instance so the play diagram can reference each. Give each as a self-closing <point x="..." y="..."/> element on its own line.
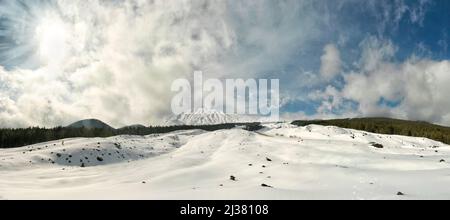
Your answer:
<point x="90" y="124"/>
<point x="209" y="117"/>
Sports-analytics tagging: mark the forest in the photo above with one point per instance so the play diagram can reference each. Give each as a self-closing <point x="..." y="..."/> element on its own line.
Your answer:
<point x="11" y="138"/>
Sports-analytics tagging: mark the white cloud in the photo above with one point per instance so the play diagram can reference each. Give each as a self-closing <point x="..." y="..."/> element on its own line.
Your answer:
<point x="416" y="88"/>
<point x="121" y="64"/>
<point x="331" y="62"/>
<point x="418" y="12"/>
<point x="121" y="57"/>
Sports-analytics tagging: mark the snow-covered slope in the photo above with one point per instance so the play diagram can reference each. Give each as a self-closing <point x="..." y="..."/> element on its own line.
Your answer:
<point x="209" y="117"/>
<point x="279" y="162"/>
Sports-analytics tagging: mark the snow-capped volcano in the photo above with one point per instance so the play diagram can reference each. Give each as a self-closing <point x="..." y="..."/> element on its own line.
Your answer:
<point x="210" y="117"/>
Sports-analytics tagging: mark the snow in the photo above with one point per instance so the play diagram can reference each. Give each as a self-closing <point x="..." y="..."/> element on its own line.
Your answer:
<point x="312" y="162"/>
<point x="210" y="117"/>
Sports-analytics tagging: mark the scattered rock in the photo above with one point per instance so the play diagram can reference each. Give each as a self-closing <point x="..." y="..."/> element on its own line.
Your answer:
<point x="376" y="145"/>
<point x="268" y="159"/>
<point x="400" y="194"/>
<point x="100" y="159"/>
<point x="442" y="161"/>
<point x="267" y="186"/>
<point x="233" y="178"/>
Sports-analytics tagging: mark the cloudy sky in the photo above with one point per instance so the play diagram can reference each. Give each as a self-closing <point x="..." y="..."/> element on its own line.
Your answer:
<point x="65" y="60"/>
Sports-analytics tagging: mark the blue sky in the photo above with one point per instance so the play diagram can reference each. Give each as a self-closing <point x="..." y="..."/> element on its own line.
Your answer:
<point x="62" y="61"/>
<point x="419" y="30"/>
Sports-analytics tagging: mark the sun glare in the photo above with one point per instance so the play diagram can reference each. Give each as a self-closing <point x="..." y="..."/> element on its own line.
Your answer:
<point x="52" y="39"/>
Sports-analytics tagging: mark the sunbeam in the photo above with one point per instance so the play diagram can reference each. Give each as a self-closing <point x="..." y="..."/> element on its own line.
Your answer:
<point x="52" y="36"/>
<point x="32" y="34"/>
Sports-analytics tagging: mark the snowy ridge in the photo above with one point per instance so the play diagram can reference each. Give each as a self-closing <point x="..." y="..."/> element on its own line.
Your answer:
<point x="281" y="161"/>
<point x="210" y="117"/>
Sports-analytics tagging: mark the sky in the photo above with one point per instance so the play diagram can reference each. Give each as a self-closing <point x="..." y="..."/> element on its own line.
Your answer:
<point x="115" y="60"/>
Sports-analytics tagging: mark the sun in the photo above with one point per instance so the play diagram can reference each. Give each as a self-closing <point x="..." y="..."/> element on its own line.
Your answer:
<point x="52" y="36"/>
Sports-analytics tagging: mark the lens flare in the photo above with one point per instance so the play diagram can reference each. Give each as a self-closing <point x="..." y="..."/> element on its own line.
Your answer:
<point x="52" y="39"/>
<point x="32" y="34"/>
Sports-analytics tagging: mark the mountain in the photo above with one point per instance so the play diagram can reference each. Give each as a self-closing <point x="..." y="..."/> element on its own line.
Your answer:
<point x="209" y="117"/>
<point x="90" y="124"/>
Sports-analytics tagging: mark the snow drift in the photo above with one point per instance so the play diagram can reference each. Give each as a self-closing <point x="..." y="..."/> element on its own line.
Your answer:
<point x="281" y="161"/>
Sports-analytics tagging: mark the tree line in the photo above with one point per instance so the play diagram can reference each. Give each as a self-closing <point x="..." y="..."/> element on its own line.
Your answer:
<point x="18" y="137"/>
